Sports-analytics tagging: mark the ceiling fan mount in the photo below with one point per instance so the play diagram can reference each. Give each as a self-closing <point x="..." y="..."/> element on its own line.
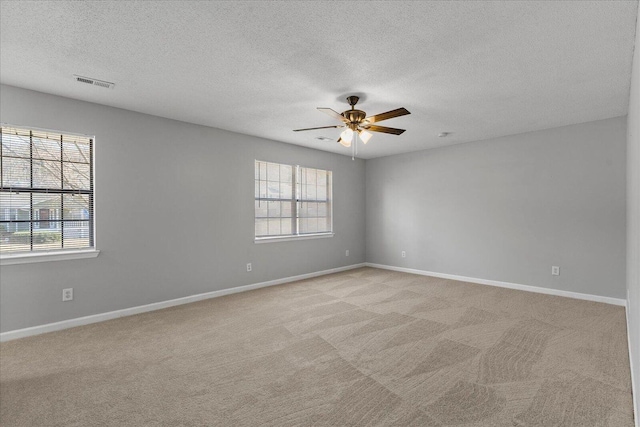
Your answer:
<point x="357" y="122"/>
<point x="353" y="100"/>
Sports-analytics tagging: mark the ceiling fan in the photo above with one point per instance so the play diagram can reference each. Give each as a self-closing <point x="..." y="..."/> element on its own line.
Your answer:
<point x="357" y="123"/>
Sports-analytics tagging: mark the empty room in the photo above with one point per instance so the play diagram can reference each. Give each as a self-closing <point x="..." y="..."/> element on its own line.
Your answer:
<point x="320" y="213"/>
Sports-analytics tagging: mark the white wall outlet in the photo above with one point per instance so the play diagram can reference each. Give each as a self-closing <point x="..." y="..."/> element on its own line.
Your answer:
<point x="404" y="254"/>
<point x="346" y="253"/>
<point x="555" y="270"/>
<point x="249" y="267"/>
<point x="67" y="294"/>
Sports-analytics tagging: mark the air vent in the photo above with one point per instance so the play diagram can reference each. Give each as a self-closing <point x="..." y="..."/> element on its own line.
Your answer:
<point x="94" y="82"/>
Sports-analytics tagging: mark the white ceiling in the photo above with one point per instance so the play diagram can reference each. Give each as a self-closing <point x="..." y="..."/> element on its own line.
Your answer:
<point x="475" y="69"/>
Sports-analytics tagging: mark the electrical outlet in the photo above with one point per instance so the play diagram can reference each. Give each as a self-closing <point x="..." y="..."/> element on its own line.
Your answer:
<point x="555" y="270"/>
<point x="249" y="267"/>
<point x="346" y="252"/>
<point x="67" y="294"/>
<point x="404" y="254"/>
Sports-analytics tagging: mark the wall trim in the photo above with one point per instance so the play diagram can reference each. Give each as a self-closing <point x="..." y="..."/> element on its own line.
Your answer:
<point x="95" y="318"/>
<point x="31" y="257"/>
<point x="528" y="288"/>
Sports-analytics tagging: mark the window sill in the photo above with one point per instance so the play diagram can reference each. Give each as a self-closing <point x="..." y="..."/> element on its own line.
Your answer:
<point x="291" y="238"/>
<point x="48" y="256"/>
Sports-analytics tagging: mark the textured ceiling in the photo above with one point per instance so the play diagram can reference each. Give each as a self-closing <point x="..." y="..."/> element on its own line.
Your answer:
<point x="475" y="69"/>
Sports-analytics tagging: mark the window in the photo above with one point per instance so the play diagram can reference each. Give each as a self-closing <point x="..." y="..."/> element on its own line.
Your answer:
<point x="291" y="201"/>
<point x="46" y="191"/>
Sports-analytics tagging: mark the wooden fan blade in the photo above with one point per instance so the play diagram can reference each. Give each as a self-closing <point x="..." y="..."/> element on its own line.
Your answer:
<point x="332" y="113"/>
<point x="321" y="127"/>
<point x="388" y="115"/>
<point x="385" y="129"/>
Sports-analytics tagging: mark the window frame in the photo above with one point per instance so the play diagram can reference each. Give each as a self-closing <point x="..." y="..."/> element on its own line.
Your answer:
<point x="295" y="201"/>
<point x="59" y="254"/>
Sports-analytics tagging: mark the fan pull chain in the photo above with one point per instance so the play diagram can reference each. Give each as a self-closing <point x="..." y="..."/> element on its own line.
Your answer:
<point x="353" y="146"/>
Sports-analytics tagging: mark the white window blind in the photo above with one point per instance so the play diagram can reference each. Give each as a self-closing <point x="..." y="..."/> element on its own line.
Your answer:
<point x="46" y="191"/>
<point x="291" y="201"/>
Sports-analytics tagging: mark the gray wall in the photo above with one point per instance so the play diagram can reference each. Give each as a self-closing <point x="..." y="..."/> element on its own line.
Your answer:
<point x="174" y="210"/>
<point x="633" y="221"/>
<point x="508" y="209"/>
<point x="504" y="209"/>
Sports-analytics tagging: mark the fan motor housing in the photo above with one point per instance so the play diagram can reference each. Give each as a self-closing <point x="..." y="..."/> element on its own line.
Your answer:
<point x="354" y="116"/>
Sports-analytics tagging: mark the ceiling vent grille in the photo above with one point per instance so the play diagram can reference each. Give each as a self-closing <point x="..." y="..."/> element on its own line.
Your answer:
<point x="94" y="82"/>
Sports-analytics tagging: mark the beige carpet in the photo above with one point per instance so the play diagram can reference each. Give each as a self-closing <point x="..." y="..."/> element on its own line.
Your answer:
<point x="365" y="347"/>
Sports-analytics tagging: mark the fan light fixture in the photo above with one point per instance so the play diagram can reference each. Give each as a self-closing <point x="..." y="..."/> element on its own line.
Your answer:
<point x="357" y="124"/>
<point x="347" y="136"/>
<point x="364" y="135"/>
<point x="344" y="142"/>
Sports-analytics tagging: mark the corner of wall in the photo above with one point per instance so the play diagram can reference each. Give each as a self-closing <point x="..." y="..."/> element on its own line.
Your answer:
<point x="633" y="224"/>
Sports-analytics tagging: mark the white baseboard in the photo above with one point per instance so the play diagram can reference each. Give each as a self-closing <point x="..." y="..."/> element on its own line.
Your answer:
<point x="528" y="288"/>
<point x="86" y="320"/>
